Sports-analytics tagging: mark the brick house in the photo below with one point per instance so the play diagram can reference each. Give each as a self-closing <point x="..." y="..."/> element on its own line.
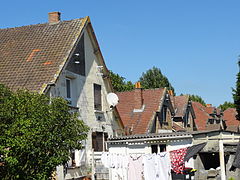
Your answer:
<point x="184" y="119"/>
<point x="63" y="59"/>
<point x="145" y="110"/>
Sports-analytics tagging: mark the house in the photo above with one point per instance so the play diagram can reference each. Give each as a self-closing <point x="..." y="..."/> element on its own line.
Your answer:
<point x="184" y="119"/>
<point x="63" y="59"/>
<point x="208" y="117"/>
<point x="144" y="111"/>
<point x="229" y="116"/>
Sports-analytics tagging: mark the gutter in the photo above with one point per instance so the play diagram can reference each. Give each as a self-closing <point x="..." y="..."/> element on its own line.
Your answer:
<point x="151" y="139"/>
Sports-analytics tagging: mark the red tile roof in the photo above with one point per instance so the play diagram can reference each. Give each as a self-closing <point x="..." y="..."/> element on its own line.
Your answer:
<point x="33" y="56"/>
<point x="229" y="115"/>
<point x="180" y="105"/>
<point x="201" y="115"/>
<point x="139" y="121"/>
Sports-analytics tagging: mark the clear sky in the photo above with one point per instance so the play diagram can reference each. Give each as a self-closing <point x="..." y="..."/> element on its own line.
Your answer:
<point x="195" y="43"/>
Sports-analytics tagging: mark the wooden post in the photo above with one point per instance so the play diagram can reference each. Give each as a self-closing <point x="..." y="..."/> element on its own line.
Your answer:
<point x="221" y="157"/>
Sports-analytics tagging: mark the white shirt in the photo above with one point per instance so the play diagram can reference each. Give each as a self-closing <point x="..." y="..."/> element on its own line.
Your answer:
<point x="163" y="166"/>
<point x="149" y="164"/>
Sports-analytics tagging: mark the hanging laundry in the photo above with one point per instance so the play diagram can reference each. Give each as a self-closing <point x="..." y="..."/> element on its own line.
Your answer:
<point x="163" y="166"/>
<point x="135" y="168"/>
<point x="105" y="159"/>
<point x="177" y="160"/>
<point x="193" y="150"/>
<point x="149" y="166"/>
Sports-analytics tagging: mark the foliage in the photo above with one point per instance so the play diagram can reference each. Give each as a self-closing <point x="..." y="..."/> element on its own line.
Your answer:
<point x="36" y="134"/>
<point x="153" y="78"/>
<point x="236" y="94"/>
<point x="119" y="84"/>
<point x="226" y="105"/>
<point x="196" y="98"/>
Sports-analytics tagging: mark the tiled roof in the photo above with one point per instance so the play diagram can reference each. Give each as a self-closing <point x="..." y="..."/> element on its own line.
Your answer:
<point x="201" y="115"/>
<point x="180" y="105"/>
<point x="139" y="121"/>
<point x="33" y="56"/>
<point x="229" y="115"/>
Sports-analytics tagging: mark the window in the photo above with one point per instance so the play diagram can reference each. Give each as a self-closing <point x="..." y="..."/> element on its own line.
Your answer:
<point x="68" y="90"/>
<point x="162" y="147"/>
<point x="98" y="141"/>
<point x="97" y="97"/>
<point x="154" y="148"/>
<point x="164" y="114"/>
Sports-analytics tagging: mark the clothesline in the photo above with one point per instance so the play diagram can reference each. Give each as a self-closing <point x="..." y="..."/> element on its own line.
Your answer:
<point x="152" y="166"/>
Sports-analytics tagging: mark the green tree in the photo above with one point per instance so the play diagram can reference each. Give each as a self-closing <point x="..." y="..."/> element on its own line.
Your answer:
<point x="153" y="78"/>
<point x="37" y="134"/>
<point x="196" y="98"/>
<point x="119" y="84"/>
<point x="226" y="105"/>
<point x="236" y="94"/>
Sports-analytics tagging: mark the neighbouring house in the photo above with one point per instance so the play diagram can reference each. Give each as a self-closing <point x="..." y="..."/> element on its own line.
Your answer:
<point x="184" y="119"/>
<point x="145" y="111"/>
<point x="63" y="59"/>
<point x="229" y="116"/>
<point x="208" y="117"/>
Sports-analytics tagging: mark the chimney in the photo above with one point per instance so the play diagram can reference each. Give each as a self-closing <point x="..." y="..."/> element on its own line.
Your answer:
<point x="54" y="17"/>
<point x="208" y="105"/>
<point x="138" y="96"/>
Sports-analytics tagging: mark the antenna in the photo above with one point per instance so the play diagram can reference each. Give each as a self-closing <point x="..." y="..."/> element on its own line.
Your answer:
<point x="112" y="99"/>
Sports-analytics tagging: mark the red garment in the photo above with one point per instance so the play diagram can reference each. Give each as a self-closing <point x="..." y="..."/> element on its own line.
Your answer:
<point x="177" y="160"/>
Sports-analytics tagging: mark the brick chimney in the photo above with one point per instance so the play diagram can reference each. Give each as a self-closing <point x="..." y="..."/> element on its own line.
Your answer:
<point x="54" y="17"/>
<point x="208" y="105"/>
<point x="138" y="96"/>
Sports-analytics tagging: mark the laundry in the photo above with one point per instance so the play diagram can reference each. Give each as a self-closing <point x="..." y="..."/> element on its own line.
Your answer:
<point x="177" y="160"/>
<point x="163" y="166"/>
<point x="147" y="166"/>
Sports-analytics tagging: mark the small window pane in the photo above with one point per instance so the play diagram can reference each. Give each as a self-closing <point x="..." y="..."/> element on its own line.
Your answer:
<point x="68" y="87"/>
<point x="97" y="97"/>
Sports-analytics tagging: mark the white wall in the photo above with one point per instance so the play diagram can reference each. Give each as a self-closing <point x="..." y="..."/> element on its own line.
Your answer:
<point x="83" y="97"/>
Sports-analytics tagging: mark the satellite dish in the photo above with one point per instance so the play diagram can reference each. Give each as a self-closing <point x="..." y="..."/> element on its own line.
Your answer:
<point x="112" y="99"/>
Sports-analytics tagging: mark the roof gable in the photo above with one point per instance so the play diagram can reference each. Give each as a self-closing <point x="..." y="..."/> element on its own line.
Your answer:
<point x="132" y="117"/>
<point x="180" y="105"/>
<point x="33" y="56"/>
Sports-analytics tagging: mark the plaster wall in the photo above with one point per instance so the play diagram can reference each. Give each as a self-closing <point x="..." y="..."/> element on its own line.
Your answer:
<point x="82" y="91"/>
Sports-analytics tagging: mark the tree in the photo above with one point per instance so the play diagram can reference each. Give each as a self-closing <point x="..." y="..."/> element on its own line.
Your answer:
<point x="119" y="84"/>
<point x="37" y="134"/>
<point x="226" y="105"/>
<point x="196" y="98"/>
<point x="236" y="94"/>
<point x="153" y="78"/>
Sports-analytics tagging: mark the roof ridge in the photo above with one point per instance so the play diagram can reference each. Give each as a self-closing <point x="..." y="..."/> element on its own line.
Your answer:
<point x="51" y="24"/>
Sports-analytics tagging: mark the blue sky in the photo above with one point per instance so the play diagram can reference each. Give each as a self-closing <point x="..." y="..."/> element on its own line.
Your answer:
<point x="195" y="43"/>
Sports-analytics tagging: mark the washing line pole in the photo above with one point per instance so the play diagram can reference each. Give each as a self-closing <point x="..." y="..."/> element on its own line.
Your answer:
<point x="221" y="157"/>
